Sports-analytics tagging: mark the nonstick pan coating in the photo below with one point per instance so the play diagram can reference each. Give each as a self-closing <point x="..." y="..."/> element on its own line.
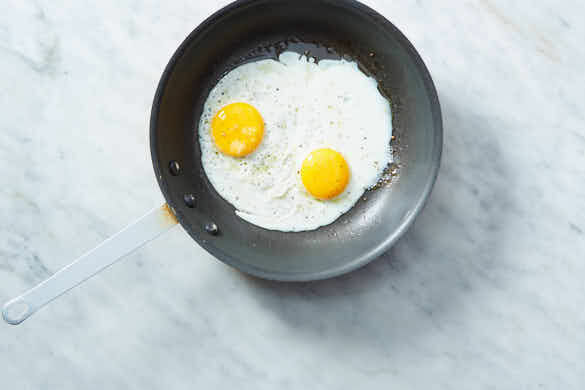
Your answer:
<point x="249" y="30"/>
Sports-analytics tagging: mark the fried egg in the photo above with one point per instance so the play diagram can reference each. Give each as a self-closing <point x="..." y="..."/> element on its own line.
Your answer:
<point x="293" y="144"/>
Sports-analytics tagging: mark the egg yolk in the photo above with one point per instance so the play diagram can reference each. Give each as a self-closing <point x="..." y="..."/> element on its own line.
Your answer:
<point x="237" y="129"/>
<point x="325" y="173"/>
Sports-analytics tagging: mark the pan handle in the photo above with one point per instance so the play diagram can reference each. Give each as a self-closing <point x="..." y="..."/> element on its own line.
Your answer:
<point x="119" y="245"/>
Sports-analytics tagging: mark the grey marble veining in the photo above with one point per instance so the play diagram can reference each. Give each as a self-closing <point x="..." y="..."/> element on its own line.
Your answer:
<point x="486" y="291"/>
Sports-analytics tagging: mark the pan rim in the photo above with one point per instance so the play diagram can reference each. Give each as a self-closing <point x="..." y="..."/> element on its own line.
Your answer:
<point x="373" y="252"/>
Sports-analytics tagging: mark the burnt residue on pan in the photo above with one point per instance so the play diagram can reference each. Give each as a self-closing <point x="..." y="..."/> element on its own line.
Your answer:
<point x="168" y="215"/>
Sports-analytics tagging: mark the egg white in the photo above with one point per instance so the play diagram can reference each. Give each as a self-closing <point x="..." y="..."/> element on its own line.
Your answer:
<point x="305" y="106"/>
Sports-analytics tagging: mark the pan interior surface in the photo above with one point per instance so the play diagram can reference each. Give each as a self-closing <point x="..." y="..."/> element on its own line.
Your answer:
<point x="250" y="30"/>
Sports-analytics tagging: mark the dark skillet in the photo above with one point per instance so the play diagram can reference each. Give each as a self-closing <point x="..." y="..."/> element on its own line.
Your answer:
<point x="248" y="30"/>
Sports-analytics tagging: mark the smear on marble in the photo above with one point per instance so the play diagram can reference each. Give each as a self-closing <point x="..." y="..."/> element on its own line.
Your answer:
<point x="531" y="33"/>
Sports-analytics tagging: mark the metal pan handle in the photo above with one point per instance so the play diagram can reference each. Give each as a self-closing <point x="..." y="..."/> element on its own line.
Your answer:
<point x="108" y="252"/>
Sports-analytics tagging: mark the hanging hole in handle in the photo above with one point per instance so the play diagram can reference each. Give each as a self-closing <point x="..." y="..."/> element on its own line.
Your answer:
<point x="16" y="311"/>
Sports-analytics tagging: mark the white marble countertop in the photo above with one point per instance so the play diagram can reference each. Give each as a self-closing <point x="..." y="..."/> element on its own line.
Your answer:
<point x="486" y="291"/>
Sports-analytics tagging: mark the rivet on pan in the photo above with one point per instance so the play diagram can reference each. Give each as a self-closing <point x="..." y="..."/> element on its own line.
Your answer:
<point x="189" y="200"/>
<point x="211" y="228"/>
<point x="174" y="168"/>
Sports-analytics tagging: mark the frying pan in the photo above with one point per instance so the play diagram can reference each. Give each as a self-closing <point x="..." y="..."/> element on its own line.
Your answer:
<point x="248" y="30"/>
